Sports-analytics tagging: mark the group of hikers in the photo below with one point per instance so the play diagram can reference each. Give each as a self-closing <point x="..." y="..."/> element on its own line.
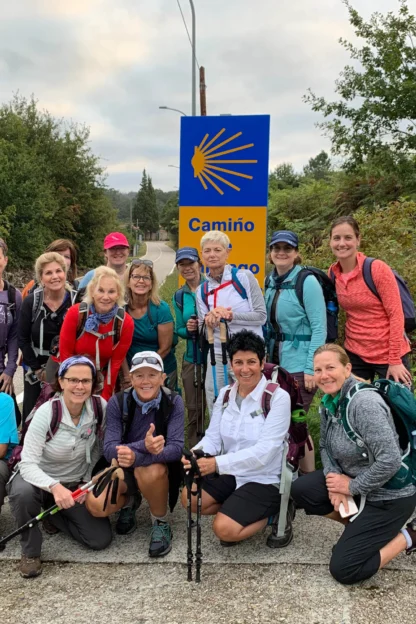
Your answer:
<point x="101" y="390"/>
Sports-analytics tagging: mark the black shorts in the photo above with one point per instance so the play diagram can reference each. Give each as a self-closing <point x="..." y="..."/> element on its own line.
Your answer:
<point x="247" y="504"/>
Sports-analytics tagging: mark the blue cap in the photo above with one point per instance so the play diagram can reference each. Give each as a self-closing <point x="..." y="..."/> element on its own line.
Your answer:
<point x="285" y="236"/>
<point x="187" y="253"/>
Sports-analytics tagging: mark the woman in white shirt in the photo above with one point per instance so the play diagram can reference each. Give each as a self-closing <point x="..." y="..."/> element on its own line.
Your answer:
<point x="55" y="461"/>
<point x="240" y="484"/>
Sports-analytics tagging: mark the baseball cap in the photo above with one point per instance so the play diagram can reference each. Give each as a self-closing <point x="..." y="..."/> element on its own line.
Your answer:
<point x="115" y="239"/>
<point x="151" y="359"/>
<point x="187" y="253"/>
<point x="285" y="236"/>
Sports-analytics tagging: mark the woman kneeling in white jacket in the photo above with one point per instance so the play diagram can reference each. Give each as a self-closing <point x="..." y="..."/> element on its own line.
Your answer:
<point x="240" y="482"/>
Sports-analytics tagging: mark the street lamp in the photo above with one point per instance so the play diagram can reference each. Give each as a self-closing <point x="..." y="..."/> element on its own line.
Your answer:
<point x="175" y="166"/>
<point x="173" y="109"/>
<point x="193" y="59"/>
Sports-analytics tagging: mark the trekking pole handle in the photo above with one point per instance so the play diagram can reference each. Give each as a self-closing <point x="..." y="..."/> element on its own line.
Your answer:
<point x="223" y="331"/>
<point x="210" y="335"/>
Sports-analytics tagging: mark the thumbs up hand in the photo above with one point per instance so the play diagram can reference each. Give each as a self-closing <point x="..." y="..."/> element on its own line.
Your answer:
<point x="153" y="444"/>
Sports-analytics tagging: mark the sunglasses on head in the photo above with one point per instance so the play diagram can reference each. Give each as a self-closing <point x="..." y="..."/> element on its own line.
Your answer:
<point x="139" y="359"/>
<point x="139" y="261"/>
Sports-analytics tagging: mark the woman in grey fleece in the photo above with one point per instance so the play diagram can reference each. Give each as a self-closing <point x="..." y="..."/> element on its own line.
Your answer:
<point x="375" y="536"/>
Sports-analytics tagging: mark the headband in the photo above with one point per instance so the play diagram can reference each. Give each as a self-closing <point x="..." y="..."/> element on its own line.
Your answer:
<point x="73" y="361"/>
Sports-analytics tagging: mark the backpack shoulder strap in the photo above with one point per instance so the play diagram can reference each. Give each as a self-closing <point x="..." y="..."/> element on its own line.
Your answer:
<point x="82" y="318"/>
<point x="344" y="411"/>
<point x="226" y="397"/>
<point x="37" y="303"/>
<point x="237" y="284"/>
<point x="11" y="294"/>
<point x="179" y="296"/>
<point x="368" y="277"/>
<point x="127" y="408"/>
<point x="97" y="407"/>
<point x="118" y="325"/>
<point x="266" y="398"/>
<point x="205" y="292"/>
<point x="149" y="314"/>
<point x="332" y="276"/>
<point x="300" y="280"/>
<point x="56" y="419"/>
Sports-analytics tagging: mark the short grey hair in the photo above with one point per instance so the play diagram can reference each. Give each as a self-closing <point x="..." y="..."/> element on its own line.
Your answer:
<point x="216" y="236"/>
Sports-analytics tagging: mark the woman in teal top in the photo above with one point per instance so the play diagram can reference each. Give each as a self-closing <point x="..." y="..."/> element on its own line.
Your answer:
<point x="8" y="439"/>
<point x="294" y="331"/>
<point x="184" y="303"/>
<point x="153" y="321"/>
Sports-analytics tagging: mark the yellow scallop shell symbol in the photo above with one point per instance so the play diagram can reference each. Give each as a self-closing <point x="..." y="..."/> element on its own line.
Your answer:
<point x="205" y="161"/>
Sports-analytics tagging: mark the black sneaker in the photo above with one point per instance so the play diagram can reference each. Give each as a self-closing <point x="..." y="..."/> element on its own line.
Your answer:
<point x="411" y="529"/>
<point x="126" y="520"/>
<point x="160" y="539"/>
<point x="281" y="542"/>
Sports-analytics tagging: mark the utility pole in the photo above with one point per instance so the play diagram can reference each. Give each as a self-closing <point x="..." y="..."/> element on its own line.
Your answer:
<point x="202" y="91"/>
<point x="193" y="59"/>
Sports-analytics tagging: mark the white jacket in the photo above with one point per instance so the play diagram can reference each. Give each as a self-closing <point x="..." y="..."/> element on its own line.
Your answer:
<point x="246" y="444"/>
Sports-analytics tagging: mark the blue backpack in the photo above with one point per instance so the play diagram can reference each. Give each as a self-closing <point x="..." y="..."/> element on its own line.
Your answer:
<point x="403" y="408"/>
<point x="205" y="292"/>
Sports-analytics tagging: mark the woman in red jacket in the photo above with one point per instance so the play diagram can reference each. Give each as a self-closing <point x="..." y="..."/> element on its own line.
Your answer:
<point x="99" y="327"/>
<point x="375" y="339"/>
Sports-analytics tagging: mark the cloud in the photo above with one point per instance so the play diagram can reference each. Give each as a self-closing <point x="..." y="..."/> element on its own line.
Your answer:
<point x="112" y="64"/>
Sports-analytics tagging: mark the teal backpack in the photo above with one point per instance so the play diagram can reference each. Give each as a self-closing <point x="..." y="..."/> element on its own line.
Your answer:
<point x="403" y="408"/>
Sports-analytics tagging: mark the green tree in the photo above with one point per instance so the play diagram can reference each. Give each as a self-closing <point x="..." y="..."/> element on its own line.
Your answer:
<point x="169" y="218"/>
<point x="145" y="208"/>
<point x="319" y="167"/>
<point x="283" y="177"/>
<point x="378" y="99"/>
<point x="51" y="185"/>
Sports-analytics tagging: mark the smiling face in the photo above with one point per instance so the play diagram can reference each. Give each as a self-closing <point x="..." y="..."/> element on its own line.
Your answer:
<point x="283" y="257"/>
<point x="214" y="255"/>
<point x="147" y="382"/>
<point x="344" y="242"/>
<point x="330" y="373"/>
<point x="116" y="256"/>
<point x="140" y="282"/>
<point x="76" y="384"/>
<point x="189" y="270"/>
<point x="105" y="295"/>
<point x="53" y="276"/>
<point x="247" y="368"/>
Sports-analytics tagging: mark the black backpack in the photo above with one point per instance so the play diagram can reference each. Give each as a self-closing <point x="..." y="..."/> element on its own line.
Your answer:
<point x="11" y="305"/>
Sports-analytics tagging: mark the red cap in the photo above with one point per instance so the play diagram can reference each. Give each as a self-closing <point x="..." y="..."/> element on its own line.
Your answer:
<point x="115" y="239"/>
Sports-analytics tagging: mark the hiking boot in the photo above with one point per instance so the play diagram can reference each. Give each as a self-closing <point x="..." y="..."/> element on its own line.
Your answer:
<point x="227" y="544"/>
<point x="30" y="567"/>
<point x="126" y="520"/>
<point x="160" y="539"/>
<point x="411" y="530"/>
<point x="281" y="542"/>
<point x="49" y="527"/>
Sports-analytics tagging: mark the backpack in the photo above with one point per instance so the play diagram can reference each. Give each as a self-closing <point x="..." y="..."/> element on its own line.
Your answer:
<point x="48" y="394"/>
<point x="405" y="295"/>
<point x="298" y="435"/>
<point x="11" y="305"/>
<point x="328" y="290"/>
<point x="127" y="406"/>
<point x="234" y="281"/>
<point x="178" y="297"/>
<point x="403" y="408"/>
<point x="115" y="331"/>
<point x="37" y="308"/>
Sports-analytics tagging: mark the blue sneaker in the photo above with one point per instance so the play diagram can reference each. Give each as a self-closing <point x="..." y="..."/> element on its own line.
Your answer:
<point x="160" y="539"/>
<point x="126" y="520"/>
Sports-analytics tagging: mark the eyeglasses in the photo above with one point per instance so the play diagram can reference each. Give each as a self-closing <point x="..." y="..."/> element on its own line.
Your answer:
<point x="141" y="278"/>
<point x="74" y="381"/>
<point x="139" y="359"/>
<point x="285" y="248"/>
<point x="139" y="261"/>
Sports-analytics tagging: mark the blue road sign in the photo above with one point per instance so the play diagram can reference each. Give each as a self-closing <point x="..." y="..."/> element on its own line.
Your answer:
<point x="224" y="161"/>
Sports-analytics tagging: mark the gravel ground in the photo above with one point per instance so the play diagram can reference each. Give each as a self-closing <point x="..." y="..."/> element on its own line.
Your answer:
<point x="229" y="594"/>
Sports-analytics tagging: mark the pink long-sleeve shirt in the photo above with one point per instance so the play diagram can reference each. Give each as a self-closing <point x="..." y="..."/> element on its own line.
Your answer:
<point x="374" y="329"/>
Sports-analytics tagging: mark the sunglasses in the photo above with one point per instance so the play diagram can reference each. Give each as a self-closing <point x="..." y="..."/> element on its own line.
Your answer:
<point x="139" y="261"/>
<point x="139" y="359"/>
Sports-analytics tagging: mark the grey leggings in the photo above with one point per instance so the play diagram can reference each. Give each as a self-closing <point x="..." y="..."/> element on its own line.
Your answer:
<point x="26" y="502"/>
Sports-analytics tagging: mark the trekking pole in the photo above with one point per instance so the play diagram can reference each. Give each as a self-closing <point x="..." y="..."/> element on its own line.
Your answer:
<point x="194" y="337"/>
<point x="194" y="474"/>
<point x="88" y="487"/>
<point x="198" y="554"/>
<point x="210" y="337"/>
<point x="223" y="340"/>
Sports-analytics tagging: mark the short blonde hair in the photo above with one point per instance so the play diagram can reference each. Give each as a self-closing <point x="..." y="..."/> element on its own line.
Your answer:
<point x="152" y="295"/>
<point x="100" y="273"/>
<point x="48" y="258"/>
<point x="216" y="237"/>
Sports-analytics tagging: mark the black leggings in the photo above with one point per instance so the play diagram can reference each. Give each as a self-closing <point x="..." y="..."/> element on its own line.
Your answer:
<point x="356" y="555"/>
<point x="366" y="370"/>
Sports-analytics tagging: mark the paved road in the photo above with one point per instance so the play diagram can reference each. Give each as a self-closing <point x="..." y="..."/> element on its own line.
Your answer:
<point x="163" y="258"/>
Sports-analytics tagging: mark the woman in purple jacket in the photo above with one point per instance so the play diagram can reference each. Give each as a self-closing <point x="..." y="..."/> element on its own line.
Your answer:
<point x="145" y="434"/>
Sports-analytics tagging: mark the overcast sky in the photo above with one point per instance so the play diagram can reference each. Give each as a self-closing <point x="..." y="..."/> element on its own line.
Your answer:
<point x="112" y="63"/>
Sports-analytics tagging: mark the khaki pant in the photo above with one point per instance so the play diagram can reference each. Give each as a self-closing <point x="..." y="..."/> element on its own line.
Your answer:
<point x="194" y="401"/>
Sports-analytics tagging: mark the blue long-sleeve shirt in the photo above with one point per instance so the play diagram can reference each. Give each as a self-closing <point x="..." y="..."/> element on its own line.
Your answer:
<point x="175" y="436"/>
